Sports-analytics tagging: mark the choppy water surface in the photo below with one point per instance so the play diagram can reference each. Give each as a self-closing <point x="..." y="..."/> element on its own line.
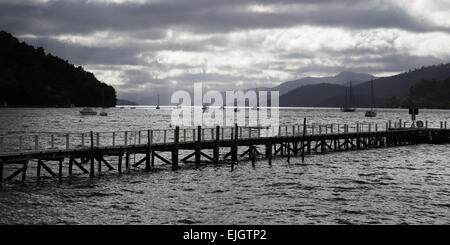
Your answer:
<point x="381" y="186"/>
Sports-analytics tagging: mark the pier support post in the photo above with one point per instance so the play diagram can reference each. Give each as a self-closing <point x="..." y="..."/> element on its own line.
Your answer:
<point x="60" y="168"/>
<point x="176" y="141"/>
<point x="24" y="172"/>
<point x="92" y="168"/>
<point x="119" y="167"/>
<point x="149" y="151"/>
<point x="38" y="170"/>
<point x="252" y="154"/>
<point x="70" y="166"/>
<point x="198" y="146"/>
<point x="216" y="146"/>
<point x="1" y="171"/>
<point x="127" y="160"/>
<point x="269" y="152"/>
<point x="288" y="151"/>
<point x="303" y="140"/>
<point x="153" y="159"/>
<point x="99" y="162"/>
<point x="234" y="150"/>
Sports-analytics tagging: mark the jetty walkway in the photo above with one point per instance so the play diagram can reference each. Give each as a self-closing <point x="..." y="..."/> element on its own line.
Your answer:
<point x="58" y="154"/>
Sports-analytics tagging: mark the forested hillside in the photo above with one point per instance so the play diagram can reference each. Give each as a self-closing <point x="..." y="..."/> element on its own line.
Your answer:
<point x="30" y="77"/>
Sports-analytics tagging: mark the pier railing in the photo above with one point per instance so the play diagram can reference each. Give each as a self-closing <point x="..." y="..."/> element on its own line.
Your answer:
<point x="51" y="141"/>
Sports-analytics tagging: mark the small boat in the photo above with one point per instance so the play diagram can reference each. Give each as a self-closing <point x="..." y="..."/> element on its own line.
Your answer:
<point x="103" y="113"/>
<point x="347" y="109"/>
<point x="372" y="112"/>
<point x="88" y="111"/>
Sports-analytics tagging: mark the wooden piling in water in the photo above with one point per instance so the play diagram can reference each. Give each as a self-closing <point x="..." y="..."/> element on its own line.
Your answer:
<point x="234" y="148"/>
<point x="288" y="152"/>
<point x="148" y="153"/>
<point x="303" y="140"/>
<point x="99" y="165"/>
<point x="119" y="163"/>
<point x="92" y="156"/>
<point x="1" y="171"/>
<point x="198" y="146"/>
<point x="60" y="168"/>
<point x="176" y="141"/>
<point x="24" y="172"/>
<point x="70" y="166"/>
<point x="216" y="146"/>
<point x="252" y="155"/>
<point x="269" y="152"/>
<point x="38" y="170"/>
<point x="127" y="160"/>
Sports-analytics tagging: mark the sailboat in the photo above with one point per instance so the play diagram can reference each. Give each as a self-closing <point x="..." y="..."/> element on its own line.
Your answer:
<point x="88" y="111"/>
<point x="103" y="113"/>
<point x="157" y="106"/>
<point x="348" y="100"/>
<point x="257" y="101"/>
<point x="372" y="112"/>
<point x="204" y="107"/>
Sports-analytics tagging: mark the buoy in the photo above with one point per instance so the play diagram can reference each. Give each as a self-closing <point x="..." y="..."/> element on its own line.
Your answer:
<point x="419" y="124"/>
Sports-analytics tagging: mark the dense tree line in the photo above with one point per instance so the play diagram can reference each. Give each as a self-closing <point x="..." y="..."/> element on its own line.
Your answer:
<point x="425" y="94"/>
<point x="29" y="77"/>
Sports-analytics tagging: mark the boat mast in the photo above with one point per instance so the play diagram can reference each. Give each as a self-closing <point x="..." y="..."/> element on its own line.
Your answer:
<point x="346" y="98"/>
<point x="257" y="98"/>
<point x="351" y="102"/>
<point x="371" y="94"/>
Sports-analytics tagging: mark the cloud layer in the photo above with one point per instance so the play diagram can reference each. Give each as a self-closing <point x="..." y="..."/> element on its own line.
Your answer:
<point x="145" y="46"/>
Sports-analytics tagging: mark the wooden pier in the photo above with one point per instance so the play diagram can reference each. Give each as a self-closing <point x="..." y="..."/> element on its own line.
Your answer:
<point x="91" y="152"/>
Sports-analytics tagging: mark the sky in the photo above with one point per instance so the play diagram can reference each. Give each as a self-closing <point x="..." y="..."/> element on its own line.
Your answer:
<point x="143" y="47"/>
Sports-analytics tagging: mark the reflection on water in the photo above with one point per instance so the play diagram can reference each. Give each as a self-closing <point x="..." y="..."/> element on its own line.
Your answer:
<point x="379" y="186"/>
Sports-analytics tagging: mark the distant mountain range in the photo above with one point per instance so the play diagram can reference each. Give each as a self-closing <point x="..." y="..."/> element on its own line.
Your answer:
<point x="332" y="95"/>
<point x="342" y="78"/>
<point x="330" y="91"/>
<point x="125" y="102"/>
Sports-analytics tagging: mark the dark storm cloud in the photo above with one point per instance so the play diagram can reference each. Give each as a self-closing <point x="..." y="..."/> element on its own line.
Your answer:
<point x="70" y="17"/>
<point x="80" y="54"/>
<point x="365" y="64"/>
<point x="168" y="44"/>
<point x="126" y="54"/>
<point x="396" y="62"/>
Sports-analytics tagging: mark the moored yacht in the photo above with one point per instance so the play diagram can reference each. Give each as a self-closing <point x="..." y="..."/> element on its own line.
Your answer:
<point x="372" y="112"/>
<point x="88" y="111"/>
